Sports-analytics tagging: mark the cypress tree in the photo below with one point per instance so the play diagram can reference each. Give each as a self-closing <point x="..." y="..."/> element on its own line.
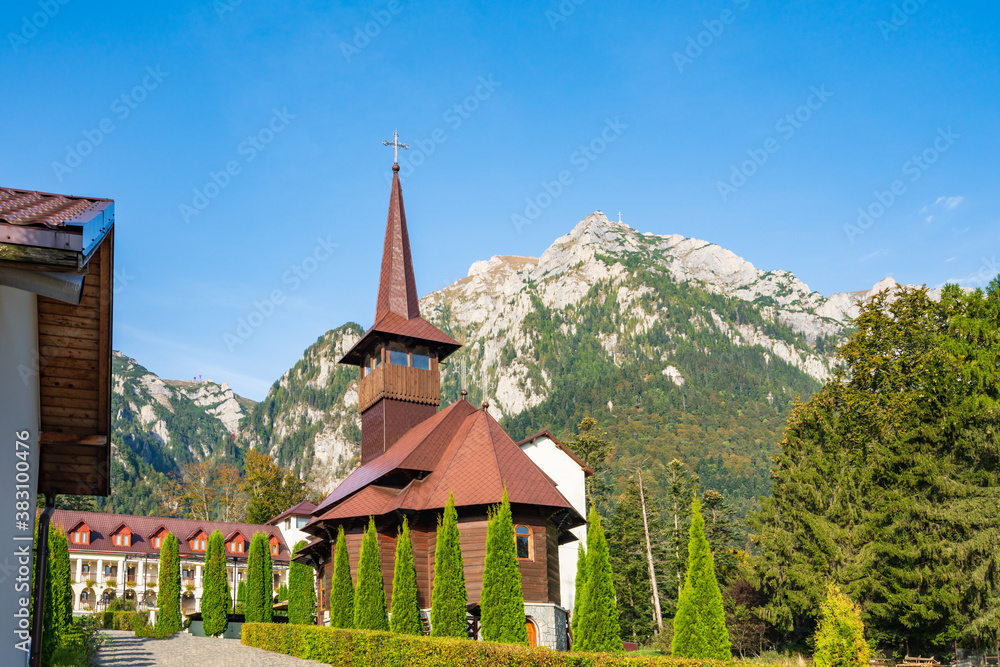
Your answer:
<point x="579" y="590"/>
<point x="598" y="627"/>
<point x="342" y="588"/>
<point x="58" y="613"/>
<point x="502" y="601"/>
<point x="700" y="624"/>
<point x="168" y="594"/>
<point x="448" y="596"/>
<point x="265" y="578"/>
<point x="255" y="595"/>
<point x="215" y="598"/>
<point x="301" y="591"/>
<point x="241" y="598"/>
<point x="369" y="606"/>
<point x="405" y="618"/>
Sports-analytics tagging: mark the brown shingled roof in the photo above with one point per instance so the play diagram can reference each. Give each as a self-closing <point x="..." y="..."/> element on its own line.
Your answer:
<point x="467" y="452"/>
<point x="103" y="525"/>
<point x="303" y="508"/>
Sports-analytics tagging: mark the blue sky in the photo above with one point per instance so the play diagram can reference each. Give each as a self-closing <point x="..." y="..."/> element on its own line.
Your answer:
<point x="242" y="146"/>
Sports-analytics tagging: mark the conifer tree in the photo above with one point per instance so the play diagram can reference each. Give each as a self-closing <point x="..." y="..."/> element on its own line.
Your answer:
<point x="58" y="613"/>
<point x="168" y="593"/>
<point x="502" y="600"/>
<point x="598" y="628"/>
<point x="840" y="639"/>
<point x="301" y="591"/>
<point x="448" y="596"/>
<point x="405" y="618"/>
<point x="241" y="598"/>
<point x="342" y="587"/>
<point x="215" y="599"/>
<point x="579" y="590"/>
<point x="256" y="596"/>
<point x="369" y="603"/>
<point x="700" y="624"/>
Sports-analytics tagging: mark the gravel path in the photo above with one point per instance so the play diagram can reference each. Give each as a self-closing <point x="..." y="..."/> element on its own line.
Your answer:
<point x="124" y="649"/>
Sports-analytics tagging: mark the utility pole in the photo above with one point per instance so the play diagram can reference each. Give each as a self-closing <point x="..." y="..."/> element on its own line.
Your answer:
<point x="649" y="557"/>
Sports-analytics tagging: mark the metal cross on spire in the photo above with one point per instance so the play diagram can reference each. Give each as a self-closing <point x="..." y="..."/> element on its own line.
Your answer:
<point x="395" y="146"/>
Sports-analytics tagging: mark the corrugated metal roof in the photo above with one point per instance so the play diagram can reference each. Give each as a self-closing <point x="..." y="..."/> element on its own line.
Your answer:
<point x="28" y="207"/>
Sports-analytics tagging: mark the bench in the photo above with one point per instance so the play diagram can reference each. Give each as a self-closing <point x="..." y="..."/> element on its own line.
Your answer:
<point x="910" y="661"/>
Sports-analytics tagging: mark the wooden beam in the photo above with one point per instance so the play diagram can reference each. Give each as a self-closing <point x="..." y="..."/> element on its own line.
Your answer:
<point x="48" y="258"/>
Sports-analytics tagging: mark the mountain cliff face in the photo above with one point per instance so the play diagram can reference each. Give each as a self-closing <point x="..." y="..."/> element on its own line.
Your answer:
<point x="679" y="348"/>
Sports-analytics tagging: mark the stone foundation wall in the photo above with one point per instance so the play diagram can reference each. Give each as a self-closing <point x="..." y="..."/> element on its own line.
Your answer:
<point x="550" y="619"/>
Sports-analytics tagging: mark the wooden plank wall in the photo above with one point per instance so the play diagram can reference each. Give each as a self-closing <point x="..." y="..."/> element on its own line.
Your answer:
<point x="74" y="368"/>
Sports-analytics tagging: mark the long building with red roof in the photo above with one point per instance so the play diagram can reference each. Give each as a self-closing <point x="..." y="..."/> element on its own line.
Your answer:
<point x="414" y="455"/>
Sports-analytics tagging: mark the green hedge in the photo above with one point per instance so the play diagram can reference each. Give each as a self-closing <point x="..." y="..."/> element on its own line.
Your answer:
<point x="385" y="649"/>
<point x="123" y="620"/>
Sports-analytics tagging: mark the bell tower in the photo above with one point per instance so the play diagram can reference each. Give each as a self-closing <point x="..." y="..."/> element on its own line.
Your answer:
<point x="399" y="381"/>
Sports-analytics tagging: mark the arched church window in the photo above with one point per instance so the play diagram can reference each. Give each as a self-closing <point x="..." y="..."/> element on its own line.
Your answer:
<point x="398" y="355"/>
<point x="522" y="536"/>
<point x="421" y="358"/>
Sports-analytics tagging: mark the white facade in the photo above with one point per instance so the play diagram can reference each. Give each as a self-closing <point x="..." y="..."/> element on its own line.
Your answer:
<point x="290" y="528"/>
<point x="570" y="478"/>
<point x="99" y="577"/>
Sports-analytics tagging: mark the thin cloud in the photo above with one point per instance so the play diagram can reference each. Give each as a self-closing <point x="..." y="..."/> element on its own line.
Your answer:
<point x="873" y="255"/>
<point x="949" y="202"/>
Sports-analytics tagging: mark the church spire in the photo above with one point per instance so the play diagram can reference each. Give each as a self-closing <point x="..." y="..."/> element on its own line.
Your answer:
<point x="397" y="290"/>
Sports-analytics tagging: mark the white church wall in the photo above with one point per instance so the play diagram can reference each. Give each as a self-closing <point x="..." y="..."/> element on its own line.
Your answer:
<point x="570" y="480"/>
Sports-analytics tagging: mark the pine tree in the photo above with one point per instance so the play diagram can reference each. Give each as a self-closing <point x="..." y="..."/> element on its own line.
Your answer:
<point x="579" y="590"/>
<point x="405" y="618"/>
<point x="448" y="596"/>
<point x="301" y="591"/>
<point x="700" y="624"/>
<point x="598" y="629"/>
<point x="168" y="594"/>
<point x="215" y="599"/>
<point x="502" y="601"/>
<point x="257" y="595"/>
<point x="369" y="603"/>
<point x="342" y="587"/>
<point x="840" y="640"/>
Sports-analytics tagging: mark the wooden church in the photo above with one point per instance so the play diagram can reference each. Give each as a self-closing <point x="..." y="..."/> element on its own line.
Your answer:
<point x="414" y="454"/>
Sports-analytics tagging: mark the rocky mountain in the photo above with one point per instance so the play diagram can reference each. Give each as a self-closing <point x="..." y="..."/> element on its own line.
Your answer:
<point x="160" y="425"/>
<point x="680" y="349"/>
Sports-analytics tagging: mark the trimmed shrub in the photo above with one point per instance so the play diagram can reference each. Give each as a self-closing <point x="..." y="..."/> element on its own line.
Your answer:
<point x="405" y="617"/>
<point x="598" y="628"/>
<point x="700" y="623"/>
<point x="369" y="604"/>
<point x="580" y="589"/>
<point x="124" y="620"/>
<point x="365" y="647"/>
<point x="342" y="588"/>
<point x="152" y="632"/>
<point x="840" y="638"/>
<point x="215" y="599"/>
<point x="448" y="596"/>
<point x="258" y="607"/>
<point x="502" y="601"/>
<point x="168" y="595"/>
<point x="301" y="591"/>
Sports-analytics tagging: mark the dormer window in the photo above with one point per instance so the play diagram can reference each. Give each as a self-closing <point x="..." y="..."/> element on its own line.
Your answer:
<point x="122" y="537"/>
<point x="274" y="546"/>
<point x="236" y="543"/>
<point x="80" y="534"/>
<point x="197" y="543"/>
